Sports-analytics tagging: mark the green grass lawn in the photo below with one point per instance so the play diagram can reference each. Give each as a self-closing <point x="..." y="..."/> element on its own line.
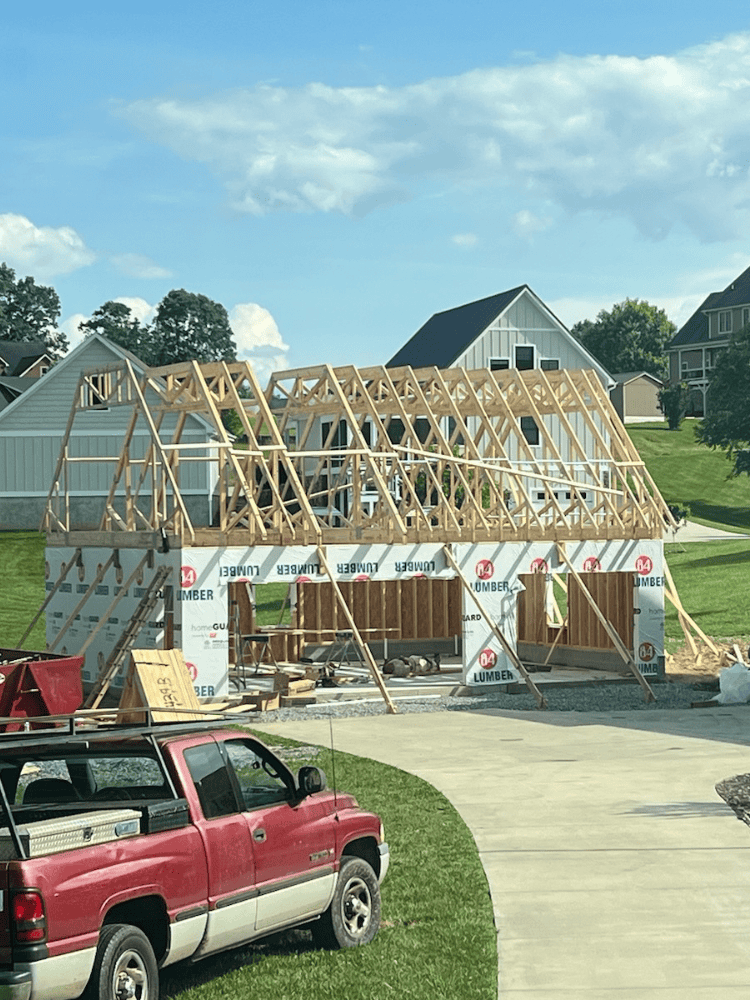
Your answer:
<point x="437" y="939"/>
<point x="692" y="474"/>
<point x="713" y="581"/>
<point x="21" y="587"/>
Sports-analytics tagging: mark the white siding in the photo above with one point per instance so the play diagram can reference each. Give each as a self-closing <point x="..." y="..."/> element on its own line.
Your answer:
<point x="31" y="435"/>
<point x="523" y="323"/>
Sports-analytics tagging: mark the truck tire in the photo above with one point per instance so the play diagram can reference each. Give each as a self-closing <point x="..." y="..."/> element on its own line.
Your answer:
<point x="353" y="918"/>
<point x="125" y="967"/>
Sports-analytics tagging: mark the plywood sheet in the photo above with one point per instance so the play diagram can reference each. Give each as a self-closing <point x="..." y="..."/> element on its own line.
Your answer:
<point x="158" y="679"/>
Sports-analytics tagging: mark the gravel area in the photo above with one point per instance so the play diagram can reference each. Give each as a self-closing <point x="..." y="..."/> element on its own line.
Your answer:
<point x="591" y="698"/>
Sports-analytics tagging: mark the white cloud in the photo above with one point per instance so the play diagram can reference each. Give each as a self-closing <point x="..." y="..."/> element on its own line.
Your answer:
<point x="661" y="141"/>
<point x="71" y="328"/>
<point x="526" y="224"/>
<point x="41" y="251"/>
<point x="137" y="266"/>
<point x="142" y="310"/>
<point x="258" y="339"/>
<point x="467" y="241"/>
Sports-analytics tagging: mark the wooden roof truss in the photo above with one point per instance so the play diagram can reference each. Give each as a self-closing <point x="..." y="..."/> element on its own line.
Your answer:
<point x="372" y="455"/>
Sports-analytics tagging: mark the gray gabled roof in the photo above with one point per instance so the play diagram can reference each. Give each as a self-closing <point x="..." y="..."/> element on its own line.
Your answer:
<point x="449" y="334"/>
<point x="20" y="355"/>
<point x="119" y="354"/>
<point x="11" y="387"/>
<point x="695" y="331"/>
<point x="623" y="377"/>
<point x="446" y="335"/>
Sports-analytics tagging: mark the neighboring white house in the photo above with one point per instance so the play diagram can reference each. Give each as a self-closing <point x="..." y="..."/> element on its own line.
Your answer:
<point x="32" y="429"/>
<point x="513" y="329"/>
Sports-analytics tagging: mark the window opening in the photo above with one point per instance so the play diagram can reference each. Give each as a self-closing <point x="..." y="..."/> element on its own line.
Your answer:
<point x="530" y="430"/>
<point x="524" y="357"/>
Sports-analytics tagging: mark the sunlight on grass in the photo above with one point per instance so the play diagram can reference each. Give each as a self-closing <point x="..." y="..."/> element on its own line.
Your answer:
<point x="691" y="474"/>
<point x="713" y="581"/>
<point x="437" y="939"/>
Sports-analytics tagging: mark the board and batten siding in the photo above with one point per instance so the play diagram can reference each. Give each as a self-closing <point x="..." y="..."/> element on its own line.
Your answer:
<point x="523" y="323"/>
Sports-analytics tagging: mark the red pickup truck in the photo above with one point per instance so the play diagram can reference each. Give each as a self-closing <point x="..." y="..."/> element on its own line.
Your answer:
<point x="128" y="848"/>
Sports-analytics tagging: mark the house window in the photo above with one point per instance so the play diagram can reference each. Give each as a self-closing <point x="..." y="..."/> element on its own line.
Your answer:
<point x="96" y="389"/>
<point x="725" y="321"/>
<point x="499" y="364"/>
<point x="396" y="430"/>
<point x="549" y="364"/>
<point x="745" y="315"/>
<point x="422" y="429"/>
<point x="530" y="430"/>
<point x="691" y="364"/>
<point x="524" y="357"/>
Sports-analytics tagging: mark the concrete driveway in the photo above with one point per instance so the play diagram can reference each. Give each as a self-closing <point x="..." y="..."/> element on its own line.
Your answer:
<point x="615" y="870"/>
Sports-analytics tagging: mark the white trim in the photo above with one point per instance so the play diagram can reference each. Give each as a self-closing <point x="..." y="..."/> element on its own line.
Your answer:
<point x="185" y="936"/>
<point x="35" y="363"/>
<point x="61" y="977"/>
<point x="228" y="926"/>
<point x="533" y="365"/>
<point x="19" y="495"/>
<point x="558" y="327"/>
<point x="114" y="432"/>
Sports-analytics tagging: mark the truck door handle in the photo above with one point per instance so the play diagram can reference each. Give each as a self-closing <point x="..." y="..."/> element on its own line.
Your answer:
<point x="259" y="835"/>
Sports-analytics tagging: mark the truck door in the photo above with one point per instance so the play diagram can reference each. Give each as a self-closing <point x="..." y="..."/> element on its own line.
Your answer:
<point x="293" y="841"/>
<point x="232" y="901"/>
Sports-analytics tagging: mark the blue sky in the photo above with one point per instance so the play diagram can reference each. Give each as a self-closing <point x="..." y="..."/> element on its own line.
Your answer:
<point x="334" y="173"/>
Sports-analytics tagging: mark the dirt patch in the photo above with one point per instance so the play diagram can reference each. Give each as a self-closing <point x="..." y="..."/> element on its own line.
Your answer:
<point x="684" y="667"/>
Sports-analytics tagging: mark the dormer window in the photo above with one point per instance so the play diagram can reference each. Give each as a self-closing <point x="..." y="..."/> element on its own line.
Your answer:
<point x="725" y="321"/>
<point x="96" y="389"/>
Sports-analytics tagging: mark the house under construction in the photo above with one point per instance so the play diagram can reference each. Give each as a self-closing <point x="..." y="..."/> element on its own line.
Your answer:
<point x="396" y="503"/>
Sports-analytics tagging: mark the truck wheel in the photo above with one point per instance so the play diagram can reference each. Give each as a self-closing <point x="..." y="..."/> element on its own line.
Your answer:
<point x="353" y="918"/>
<point x="125" y="967"/>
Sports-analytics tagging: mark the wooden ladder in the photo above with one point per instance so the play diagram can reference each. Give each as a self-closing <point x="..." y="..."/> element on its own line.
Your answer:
<point x="130" y="634"/>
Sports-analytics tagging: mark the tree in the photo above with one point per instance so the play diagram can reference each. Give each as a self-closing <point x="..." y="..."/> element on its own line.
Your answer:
<point x="187" y="327"/>
<point x="631" y="337"/>
<point x="116" y="321"/>
<point x="29" y="312"/>
<point x="727" y="421"/>
<point x="190" y="327"/>
<point x="673" y="400"/>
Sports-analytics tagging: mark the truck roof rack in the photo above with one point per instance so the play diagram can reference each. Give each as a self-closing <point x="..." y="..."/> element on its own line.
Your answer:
<point x="61" y="732"/>
<point x="102" y="724"/>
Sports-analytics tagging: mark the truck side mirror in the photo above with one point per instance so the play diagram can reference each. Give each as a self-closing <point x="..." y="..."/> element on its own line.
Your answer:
<point x="310" y="780"/>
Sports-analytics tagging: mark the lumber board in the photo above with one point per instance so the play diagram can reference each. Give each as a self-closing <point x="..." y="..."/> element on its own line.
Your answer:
<point x="158" y="679"/>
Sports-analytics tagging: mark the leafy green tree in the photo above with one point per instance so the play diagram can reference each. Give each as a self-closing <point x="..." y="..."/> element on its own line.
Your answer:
<point x="116" y="322"/>
<point x="630" y="337"/>
<point x="187" y="327"/>
<point x="727" y="421"/>
<point x="29" y="312"/>
<point x="190" y="327"/>
<point x="673" y="400"/>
